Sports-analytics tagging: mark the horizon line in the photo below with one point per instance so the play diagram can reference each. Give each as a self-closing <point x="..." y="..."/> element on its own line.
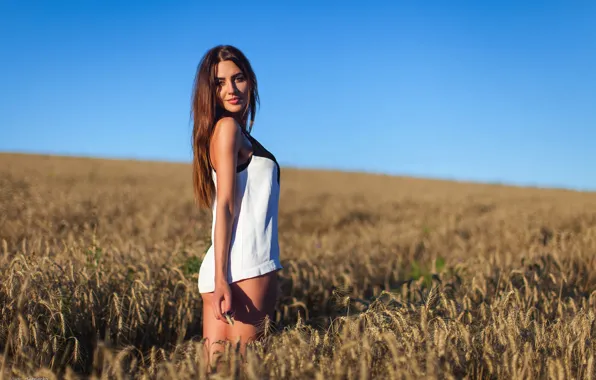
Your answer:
<point x="463" y="180"/>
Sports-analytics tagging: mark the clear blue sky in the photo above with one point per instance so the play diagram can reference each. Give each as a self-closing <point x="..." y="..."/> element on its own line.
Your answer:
<point x="497" y="91"/>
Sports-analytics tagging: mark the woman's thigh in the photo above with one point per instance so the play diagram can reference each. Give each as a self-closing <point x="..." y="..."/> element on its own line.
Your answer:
<point x="253" y="299"/>
<point x="215" y="331"/>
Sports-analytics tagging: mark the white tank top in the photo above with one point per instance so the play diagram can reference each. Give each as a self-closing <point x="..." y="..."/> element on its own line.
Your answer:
<point x="254" y="246"/>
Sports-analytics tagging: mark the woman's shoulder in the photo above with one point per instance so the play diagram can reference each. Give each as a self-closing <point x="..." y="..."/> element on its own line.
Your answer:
<point x="226" y="124"/>
<point x="226" y="129"/>
<point x="225" y="140"/>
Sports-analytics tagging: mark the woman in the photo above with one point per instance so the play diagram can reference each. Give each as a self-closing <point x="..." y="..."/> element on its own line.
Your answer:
<point x="238" y="179"/>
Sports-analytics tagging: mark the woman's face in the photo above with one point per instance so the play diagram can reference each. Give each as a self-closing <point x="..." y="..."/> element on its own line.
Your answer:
<point x="232" y="87"/>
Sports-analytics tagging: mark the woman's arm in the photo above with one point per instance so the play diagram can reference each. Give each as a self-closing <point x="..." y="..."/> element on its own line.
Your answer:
<point x="225" y="146"/>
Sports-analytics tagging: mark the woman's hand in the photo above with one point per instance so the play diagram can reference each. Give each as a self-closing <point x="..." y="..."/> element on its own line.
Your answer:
<point x="222" y="300"/>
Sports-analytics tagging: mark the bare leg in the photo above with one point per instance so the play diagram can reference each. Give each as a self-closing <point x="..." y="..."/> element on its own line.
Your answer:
<point x="214" y="331"/>
<point x="253" y="299"/>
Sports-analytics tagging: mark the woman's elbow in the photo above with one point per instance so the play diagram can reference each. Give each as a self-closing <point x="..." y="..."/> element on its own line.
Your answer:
<point x="225" y="208"/>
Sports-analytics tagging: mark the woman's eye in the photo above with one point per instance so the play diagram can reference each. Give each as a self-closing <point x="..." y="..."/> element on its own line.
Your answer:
<point x="240" y="79"/>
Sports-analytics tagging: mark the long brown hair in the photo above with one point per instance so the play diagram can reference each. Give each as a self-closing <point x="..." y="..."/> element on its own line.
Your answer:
<point x="206" y="111"/>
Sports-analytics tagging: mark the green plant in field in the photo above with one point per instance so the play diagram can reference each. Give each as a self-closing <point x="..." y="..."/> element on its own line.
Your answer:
<point x="191" y="266"/>
<point x="94" y="254"/>
<point x="418" y="270"/>
<point x="130" y="274"/>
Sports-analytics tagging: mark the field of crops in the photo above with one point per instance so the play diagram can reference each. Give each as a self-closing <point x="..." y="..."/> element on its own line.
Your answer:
<point x="384" y="277"/>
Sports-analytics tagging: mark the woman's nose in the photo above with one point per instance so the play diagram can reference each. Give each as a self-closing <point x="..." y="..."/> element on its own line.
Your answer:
<point x="230" y="88"/>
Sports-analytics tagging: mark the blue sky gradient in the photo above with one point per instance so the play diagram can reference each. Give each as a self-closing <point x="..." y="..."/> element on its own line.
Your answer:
<point x="491" y="91"/>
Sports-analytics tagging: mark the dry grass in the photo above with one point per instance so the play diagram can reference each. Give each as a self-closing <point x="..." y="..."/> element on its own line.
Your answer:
<point x="384" y="277"/>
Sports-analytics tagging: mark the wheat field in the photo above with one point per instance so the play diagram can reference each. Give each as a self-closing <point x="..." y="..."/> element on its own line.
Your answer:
<point x="384" y="277"/>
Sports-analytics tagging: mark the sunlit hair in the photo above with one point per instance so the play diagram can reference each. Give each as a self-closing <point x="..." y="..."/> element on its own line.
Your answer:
<point x="206" y="110"/>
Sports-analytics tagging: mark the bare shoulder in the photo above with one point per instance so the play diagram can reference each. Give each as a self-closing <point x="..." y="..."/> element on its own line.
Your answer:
<point x="225" y="141"/>
<point x="226" y="127"/>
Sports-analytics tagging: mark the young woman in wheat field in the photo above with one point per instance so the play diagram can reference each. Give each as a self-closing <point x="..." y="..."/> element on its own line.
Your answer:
<point x="236" y="178"/>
